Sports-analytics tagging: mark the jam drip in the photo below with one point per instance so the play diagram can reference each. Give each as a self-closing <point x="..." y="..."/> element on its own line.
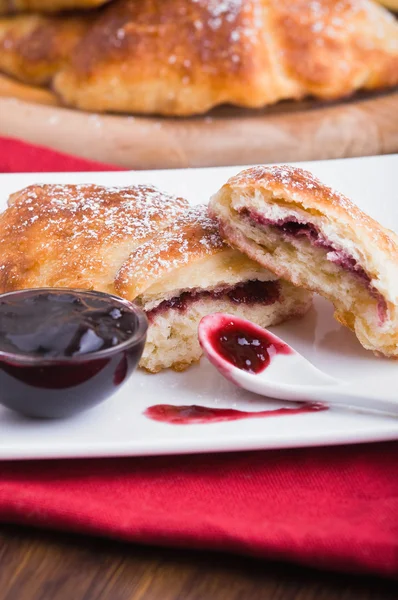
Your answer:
<point x="250" y="292"/>
<point x="191" y="415"/>
<point x="246" y="346"/>
<point x="73" y="325"/>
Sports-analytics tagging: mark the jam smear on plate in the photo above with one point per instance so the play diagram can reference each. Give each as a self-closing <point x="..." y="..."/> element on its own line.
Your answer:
<point x="192" y="415"/>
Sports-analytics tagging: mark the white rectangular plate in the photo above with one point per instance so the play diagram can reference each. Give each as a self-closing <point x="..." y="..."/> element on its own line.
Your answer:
<point x="118" y="427"/>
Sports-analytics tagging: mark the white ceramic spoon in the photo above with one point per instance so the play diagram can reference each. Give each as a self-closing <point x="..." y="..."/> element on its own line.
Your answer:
<point x="288" y="375"/>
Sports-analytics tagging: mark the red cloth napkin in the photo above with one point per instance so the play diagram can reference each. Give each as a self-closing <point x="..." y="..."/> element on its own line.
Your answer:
<point x="20" y="157"/>
<point x="334" y="508"/>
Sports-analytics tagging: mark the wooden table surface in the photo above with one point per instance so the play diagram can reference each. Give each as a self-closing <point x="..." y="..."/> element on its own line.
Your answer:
<point x="36" y="565"/>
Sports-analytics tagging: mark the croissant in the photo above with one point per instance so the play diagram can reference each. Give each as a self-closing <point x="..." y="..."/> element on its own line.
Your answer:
<point x="34" y="47"/>
<point x="77" y="235"/>
<point x="289" y="222"/>
<point x="174" y="57"/>
<point x="180" y="57"/>
<point x="145" y="246"/>
<point x="186" y="273"/>
<point x="11" y="6"/>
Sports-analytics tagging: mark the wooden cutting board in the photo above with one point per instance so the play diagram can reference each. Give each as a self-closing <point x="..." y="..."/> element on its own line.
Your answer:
<point x="289" y="131"/>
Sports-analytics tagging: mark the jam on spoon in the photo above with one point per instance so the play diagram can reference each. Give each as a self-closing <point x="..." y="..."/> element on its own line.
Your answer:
<point x="246" y="347"/>
<point x="62" y="351"/>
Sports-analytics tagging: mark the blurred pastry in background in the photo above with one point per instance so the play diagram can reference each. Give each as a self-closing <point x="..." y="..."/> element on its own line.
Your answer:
<point x="391" y="4"/>
<point x="174" y="57"/>
<point x="34" y="47"/>
<point x="12" y="6"/>
<point x="184" y="57"/>
<point x="11" y="88"/>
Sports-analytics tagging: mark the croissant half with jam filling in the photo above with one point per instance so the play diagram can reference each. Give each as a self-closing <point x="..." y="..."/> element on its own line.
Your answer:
<point x="288" y="221"/>
<point x="186" y="273"/>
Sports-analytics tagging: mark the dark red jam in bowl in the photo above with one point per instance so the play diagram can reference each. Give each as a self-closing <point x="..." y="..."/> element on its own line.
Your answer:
<point x="63" y="351"/>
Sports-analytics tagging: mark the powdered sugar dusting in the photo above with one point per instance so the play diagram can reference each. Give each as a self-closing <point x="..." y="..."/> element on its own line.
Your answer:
<point x="294" y="180"/>
<point x="219" y="10"/>
<point x="110" y="213"/>
<point x="328" y="21"/>
<point x="244" y="21"/>
<point x="225" y="31"/>
<point x="194" y="233"/>
<point x="83" y="229"/>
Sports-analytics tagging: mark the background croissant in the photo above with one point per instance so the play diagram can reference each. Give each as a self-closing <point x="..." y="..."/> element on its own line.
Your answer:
<point x="174" y="57"/>
<point x="11" y="6"/>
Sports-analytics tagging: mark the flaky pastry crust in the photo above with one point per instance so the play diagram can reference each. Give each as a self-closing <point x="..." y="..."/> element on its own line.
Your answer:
<point x="77" y="236"/>
<point x="305" y="232"/>
<point x="188" y="254"/>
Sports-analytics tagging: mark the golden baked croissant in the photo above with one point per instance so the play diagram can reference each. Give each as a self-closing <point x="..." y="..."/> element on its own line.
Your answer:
<point x="34" y="47"/>
<point x="303" y="231"/>
<point x="175" y="57"/>
<point x="11" y="6"/>
<point x="77" y="235"/>
<point x="183" y="57"/>
<point x="145" y="246"/>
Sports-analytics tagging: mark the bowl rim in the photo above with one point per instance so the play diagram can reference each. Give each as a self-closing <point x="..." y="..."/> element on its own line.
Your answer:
<point x="26" y="359"/>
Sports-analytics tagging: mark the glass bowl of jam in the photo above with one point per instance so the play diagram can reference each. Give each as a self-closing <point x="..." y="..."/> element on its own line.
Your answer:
<point x="63" y="351"/>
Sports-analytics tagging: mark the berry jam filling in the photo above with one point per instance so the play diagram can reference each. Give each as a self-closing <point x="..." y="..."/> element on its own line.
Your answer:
<point x="251" y="292"/>
<point x="293" y="228"/>
<point x="246" y="346"/>
<point x="73" y="325"/>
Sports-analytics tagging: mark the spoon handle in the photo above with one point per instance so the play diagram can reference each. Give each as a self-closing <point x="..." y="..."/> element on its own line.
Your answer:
<point x="346" y="396"/>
